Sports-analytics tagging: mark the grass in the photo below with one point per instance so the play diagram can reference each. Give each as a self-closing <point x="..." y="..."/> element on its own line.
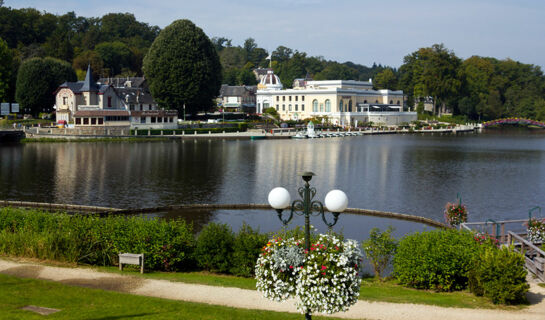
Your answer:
<point x="542" y="285"/>
<point x="85" y="303"/>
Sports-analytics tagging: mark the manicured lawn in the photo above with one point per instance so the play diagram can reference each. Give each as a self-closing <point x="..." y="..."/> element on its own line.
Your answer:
<point x="84" y="303"/>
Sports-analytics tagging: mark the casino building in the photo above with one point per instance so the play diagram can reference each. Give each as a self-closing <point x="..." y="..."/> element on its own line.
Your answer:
<point x="343" y="102"/>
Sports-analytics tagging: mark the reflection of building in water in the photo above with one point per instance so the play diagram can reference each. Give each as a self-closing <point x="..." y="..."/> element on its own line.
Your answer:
<point x="279" y="162"/>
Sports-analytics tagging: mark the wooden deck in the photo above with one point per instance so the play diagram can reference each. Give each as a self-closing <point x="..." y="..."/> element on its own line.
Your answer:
<point x="533" y="254"/>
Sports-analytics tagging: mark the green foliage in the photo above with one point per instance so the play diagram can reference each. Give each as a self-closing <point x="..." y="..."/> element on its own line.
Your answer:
<point x="5" y="71"/>
<point x="379" y="249"/>
<point x="246" y="249"/>
<point x="499" y="274"/>
<point x="38" y="79"/>
<point x="214" y="249"/>
<point x="115" y="56"/>
<point x="182" y="67"/>
<point x="386" y="79"/>
<point x="167" y="245"/>
<point x="439" y="259"/>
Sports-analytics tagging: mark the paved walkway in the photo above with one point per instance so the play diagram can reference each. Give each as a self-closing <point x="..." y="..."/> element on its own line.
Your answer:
<point x="251" y="299"/>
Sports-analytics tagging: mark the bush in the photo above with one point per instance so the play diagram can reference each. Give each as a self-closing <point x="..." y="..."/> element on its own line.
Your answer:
<point x="499" y="274"/>
<point x="214" y="249"/>
<point x="247" y="246"/>
<point x="379" y="249"/>
<point x="167" y="245"/>
<point x="439" y="259"/>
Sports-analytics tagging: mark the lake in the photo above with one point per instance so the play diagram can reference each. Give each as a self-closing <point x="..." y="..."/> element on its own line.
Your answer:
<point x="500" y="174"/>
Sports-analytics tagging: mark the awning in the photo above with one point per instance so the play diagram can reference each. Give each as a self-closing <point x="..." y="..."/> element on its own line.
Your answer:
<point x="101" y="113"/>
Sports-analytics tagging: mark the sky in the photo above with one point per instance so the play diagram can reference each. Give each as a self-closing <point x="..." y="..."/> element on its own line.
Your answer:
<point x="360" y="31"/>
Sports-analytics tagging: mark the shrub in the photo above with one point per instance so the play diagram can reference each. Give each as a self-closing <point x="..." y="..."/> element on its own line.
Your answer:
<point x="379" y="249"/>
<point x="536" y="230"/>
<point x="439" y="259"/>
<point x="167" y="245"/>
<point x="246" y="249"/>
<point x="214" y="249"/>
<point x="499" y="275"/>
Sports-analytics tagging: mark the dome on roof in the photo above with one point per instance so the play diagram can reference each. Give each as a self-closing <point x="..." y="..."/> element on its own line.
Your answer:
<point x="271" y="81"/>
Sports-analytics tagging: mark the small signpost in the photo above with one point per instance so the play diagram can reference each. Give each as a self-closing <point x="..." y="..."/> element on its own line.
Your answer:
<point x="4" y="109"/>
<point x="131" y="258"/>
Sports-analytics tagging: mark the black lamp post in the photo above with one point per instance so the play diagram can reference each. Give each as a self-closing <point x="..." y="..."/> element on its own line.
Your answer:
<point x="336" y="201"/>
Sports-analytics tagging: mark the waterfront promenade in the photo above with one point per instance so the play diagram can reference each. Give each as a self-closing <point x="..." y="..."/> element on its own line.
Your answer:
<point x="56" y="133"/>
<point x="251" y="299"/>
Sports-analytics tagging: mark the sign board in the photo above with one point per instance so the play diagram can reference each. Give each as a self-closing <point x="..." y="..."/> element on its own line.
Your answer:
<point x="15" y="107"/>
<point x="4" y="109"/>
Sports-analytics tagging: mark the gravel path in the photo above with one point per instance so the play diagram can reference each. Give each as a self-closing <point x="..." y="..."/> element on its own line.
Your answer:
<point x="251" y="299"/>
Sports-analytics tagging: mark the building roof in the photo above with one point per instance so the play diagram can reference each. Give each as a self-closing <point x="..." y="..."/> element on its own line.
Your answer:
<point x="89" y="84"/>
<point x="134" y="95"/>
<point x="128" y="82"/>
<point x="236" y="91"/>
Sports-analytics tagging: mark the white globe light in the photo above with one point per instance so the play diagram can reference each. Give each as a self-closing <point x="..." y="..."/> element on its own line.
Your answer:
<point x="336" y="201"/>
<point x="279" y="198"/>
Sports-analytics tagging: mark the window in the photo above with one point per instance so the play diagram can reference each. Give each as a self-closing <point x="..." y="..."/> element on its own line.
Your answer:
<point x="85" y="120"/>
<point x="302" y="107"/>
<point x="364" y="101"/>
<point x="109" y="102"/>
<point x="296" y="108"/>
<point x="283" y="98"/>
<point x="376" y="101"/>
<point x="296" y="98"/>
<point x="350" y="106"/>
<point x="142" y="119"/>
<point x="321" y="107"/>
<point x="141" y="106"/>
<point x="398" y="102"/>
<point x="131" y="106"/>
<point x="64" y="99"/>
<point x="391" y="101"/>
<point x="283" y="107"/>
<point x="78" y="121"/>
<point x="153" y="119"/>
<point x="327" y="106"/>
<point x="290" y="98"/>
<point x="277" y="107"/>
<point x="315" y="105"/>
<point x="93" y="121"/>
<point x="341" y="106"/>
<point x="170" y="119"/>
<point x="302" y="98"/>
<point x="277" y="98"/>
<point x="100" y="120"/>
<point x="289" y="107"/>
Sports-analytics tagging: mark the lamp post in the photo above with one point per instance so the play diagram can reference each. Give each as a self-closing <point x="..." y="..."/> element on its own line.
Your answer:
<point x="336" y="202"/>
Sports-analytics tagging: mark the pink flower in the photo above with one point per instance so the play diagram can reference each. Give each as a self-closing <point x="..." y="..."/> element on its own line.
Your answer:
<point x="324" y="267"/>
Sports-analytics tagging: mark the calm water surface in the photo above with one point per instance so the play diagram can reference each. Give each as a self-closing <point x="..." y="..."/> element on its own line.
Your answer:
<point x="499" y="174"/>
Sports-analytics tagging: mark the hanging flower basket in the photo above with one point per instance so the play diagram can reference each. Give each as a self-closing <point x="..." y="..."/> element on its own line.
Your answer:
<point x="455" y="214"/>
<point x="324" y="279"/>
<point x="536" y="230"/>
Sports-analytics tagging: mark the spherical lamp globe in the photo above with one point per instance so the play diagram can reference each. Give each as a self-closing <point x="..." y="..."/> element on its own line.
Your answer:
<point x="279" y="198"/>
<point x="336" y="201"/>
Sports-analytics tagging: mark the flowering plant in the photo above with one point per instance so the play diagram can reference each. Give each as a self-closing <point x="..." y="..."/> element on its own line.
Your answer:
<point x="455" y="214"/>
<point x="325" y="279"/>
<point x="536" y="230"/>
<point x="486" y="239"/>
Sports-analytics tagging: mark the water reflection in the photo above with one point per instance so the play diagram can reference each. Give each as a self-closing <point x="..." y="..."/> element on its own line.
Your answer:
<point x="498" y="175"/>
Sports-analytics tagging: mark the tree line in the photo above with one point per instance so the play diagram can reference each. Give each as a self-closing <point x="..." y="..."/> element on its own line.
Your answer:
<point x="115" y="44"/>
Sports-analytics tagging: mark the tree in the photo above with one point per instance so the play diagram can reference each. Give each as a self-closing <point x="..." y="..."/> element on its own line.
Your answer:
<point x="182" y="67"/>
<point x="115" y="55"/>
<point x="386" y="79"/>
<point x="431" y="72"/>
<point x="5" y="70"/>
<point x="37" y="80"/>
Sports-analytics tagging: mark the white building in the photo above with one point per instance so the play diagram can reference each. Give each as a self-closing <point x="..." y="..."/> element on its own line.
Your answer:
<point x="342" y="102"/>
